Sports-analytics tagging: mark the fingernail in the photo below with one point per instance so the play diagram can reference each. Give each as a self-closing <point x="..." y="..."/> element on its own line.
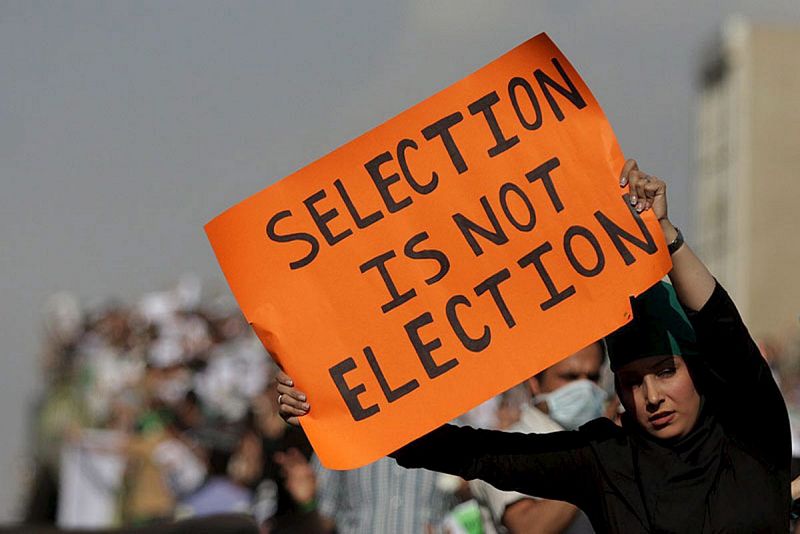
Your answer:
<point x="302" y="398"/>
<point x="290" y="383"/>
<point x="633" y="200"/>
<point x="622" y="181"/>
<point x="306" y="406"/>
<point x="639" y="206"/>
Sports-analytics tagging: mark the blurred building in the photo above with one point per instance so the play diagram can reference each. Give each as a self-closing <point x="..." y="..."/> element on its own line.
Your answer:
<point x="747" y="188"/>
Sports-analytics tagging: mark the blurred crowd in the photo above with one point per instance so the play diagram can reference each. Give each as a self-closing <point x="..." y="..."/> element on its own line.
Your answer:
<point x="156" y="410"/>
<point x="166" y="408"/>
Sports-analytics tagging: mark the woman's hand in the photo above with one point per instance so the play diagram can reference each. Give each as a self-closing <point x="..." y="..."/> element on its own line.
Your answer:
<point x="646" y="191"/>
<point x="291" y="402"/>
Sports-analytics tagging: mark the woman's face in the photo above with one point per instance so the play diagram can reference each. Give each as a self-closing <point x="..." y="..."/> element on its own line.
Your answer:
<point x="659" y="392"/>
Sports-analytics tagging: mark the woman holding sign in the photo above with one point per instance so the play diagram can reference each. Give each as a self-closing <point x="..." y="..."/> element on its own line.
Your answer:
<point x="704" y="445"/>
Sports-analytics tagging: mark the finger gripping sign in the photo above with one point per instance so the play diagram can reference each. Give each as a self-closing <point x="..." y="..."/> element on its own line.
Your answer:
<point x="443" y="257"/>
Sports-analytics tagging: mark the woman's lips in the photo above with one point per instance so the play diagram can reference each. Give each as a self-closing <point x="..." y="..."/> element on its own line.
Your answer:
<point x="661" y="419"/>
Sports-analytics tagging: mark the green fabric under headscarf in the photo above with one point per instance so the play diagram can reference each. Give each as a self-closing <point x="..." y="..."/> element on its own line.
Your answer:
<point x="659" y="327"/>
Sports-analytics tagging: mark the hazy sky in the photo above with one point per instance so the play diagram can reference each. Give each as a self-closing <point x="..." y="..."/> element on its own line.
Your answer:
<point x="124" y="126"/>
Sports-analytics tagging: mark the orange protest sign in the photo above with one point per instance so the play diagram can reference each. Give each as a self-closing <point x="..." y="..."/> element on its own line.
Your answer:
<point x="443" y="257"/>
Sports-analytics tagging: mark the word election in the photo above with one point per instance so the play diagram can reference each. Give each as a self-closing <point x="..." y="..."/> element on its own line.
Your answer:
<point x="529" y="273"/>
<point x="385" y="169"/>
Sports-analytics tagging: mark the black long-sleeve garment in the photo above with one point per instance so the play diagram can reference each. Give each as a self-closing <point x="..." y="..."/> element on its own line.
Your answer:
<point x="731" y="475"/>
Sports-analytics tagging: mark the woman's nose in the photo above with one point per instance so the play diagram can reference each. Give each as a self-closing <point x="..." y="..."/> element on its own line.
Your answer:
<point x="652" y="393"/>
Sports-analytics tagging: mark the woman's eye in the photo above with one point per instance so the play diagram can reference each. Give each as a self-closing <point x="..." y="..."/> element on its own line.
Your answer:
<point x="666" y="372"/>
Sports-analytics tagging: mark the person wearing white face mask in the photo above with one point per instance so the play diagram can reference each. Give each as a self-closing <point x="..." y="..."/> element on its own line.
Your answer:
<point x="568" y="391"/>
<point x="563" y="397"/>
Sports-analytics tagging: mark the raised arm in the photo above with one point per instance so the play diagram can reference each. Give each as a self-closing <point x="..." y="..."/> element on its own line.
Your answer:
<point x="692" y="281"/>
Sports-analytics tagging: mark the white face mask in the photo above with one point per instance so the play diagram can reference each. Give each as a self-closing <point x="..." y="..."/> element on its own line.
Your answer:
<point x="575" y="403"/>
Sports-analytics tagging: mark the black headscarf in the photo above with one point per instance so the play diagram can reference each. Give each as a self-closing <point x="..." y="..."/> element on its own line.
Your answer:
<point x="674" y="477"/>
<point x="659" y="326"/>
